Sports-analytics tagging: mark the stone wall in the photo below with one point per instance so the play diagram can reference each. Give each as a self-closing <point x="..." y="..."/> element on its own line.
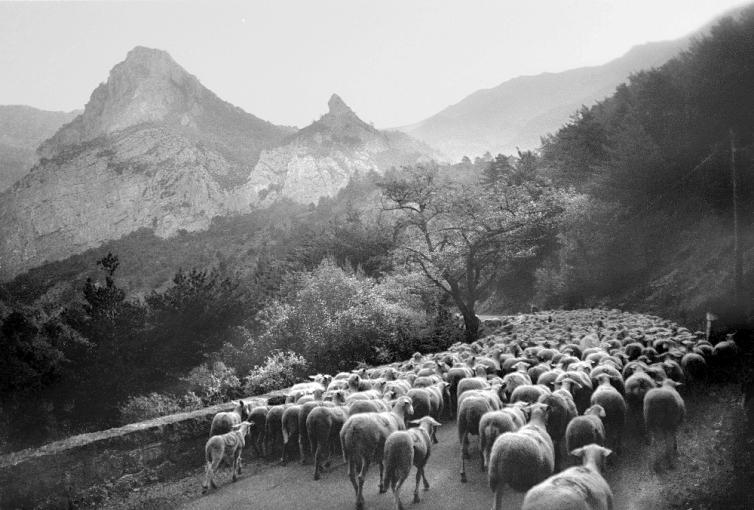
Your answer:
<point x="56" y="474"/>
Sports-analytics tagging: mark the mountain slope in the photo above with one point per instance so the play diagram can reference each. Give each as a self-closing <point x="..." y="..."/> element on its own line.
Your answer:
<point x="154" y="149"/>
<point x="22" y="129"/>
<point x="321" y="158"/>
<point x="519" y="111"/>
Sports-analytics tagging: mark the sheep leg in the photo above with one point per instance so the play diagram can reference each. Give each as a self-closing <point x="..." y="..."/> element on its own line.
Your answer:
<point x="236" y="466"/>
<point x="383" y="485"/>
<point x="464" y="454"/>
<point x="424" y="477"/>
<point x="301" y="449"/>
<point x="418" y="479"/>
<point x="209" y="472"/>
<point x="482" y="465"/>
<point x="352" y="475"/>
<point x="362" y="477"/>
<point x="397" y="494"/>
<point x="498" y="504"/>
<point x="316" y="462"/>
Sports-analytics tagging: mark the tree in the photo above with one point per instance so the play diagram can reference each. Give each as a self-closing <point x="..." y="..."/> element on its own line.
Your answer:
<point x="463" y="236"/>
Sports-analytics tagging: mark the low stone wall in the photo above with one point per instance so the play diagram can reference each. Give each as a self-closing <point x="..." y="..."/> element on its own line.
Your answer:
<point x="54" y="475"/>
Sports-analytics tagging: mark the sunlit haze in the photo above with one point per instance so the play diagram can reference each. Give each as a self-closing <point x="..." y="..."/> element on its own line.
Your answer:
<point x="394" y="62"/>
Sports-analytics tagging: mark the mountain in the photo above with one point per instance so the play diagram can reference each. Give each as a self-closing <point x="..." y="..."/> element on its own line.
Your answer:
<point x="321" y="158"/>
<point x="519" y="111"/>
<point x="22" y="129"/>
<point x="154" y="149"/>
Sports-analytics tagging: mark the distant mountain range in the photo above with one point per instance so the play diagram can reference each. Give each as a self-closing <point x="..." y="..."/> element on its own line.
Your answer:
<point x="519" y="111"/>
<point x="155" y="149"/>
<point x="22" y="129"/>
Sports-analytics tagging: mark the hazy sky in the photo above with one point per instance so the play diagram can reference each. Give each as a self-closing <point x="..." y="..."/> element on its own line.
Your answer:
<point x="394" y="62"/>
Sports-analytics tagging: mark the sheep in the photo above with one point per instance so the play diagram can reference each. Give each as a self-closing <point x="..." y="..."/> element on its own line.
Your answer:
<point x="224" y="421"/>
<point x="421" y="401"/>
<point x="258" y="416"/>
<point x="454" y="376"/>
<point x="367" y="406"/>
<point x="289" y="428"/>
<point x="225" y="448"/>
<point x="694" y="367"/>
<point x="615" y="411"/>
<point x="471" y="407"/>
<point x="362" y="440"/>
<point x="404" y="449"/>
<point x="637" y="386"/>
<point x="273" y="428"/>
<point x="577" y="488"/>
<point x="523" y="458"/>
<point x="664" y="411"/>
<point x="529" y="393"/>
<point x="494" y="423"/>
<point x="398" y="456"/>
<point x="586" y="429"/>
<point x="561" y="410"/>
<point x="323" y="425"/>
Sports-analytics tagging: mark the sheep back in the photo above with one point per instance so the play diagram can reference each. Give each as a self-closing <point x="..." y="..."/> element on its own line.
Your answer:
<point x="521" y="459"/>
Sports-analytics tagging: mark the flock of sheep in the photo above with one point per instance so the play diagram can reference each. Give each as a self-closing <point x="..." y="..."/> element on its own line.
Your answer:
<point x="549" y="396"/>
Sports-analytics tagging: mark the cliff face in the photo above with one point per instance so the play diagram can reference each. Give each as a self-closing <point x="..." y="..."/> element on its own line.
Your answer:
<point x="321" y="158"/>
<point x="155" y="149"/>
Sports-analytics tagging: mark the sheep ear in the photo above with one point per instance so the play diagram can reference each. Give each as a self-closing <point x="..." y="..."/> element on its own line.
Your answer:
<point x="606" y="452"/>
<point x="236" y="427"/>
<point x="312" y="377"/>
<point x="578" y="452"/>
<point x="432" y="421"/>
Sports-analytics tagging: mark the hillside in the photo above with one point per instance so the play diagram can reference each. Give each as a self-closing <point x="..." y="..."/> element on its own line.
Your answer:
<point x="519" y="111"/>
<point x="22" y="129"/>
<point x="156" y="150"/>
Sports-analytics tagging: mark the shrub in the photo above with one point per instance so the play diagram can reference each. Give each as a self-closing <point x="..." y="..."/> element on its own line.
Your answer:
<point x="213" y="384"/>
<point x="146" y="407"/>
<point x="280" y="370"/>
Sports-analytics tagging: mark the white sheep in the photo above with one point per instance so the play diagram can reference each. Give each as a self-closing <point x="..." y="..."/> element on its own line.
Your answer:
<point x="615" y="411"/>
<point x="225" y="448"/>
<point x="323" y="425"/>
<point x="664" y="411"/>
<point x="472" y="405"/>
<point x="523" y="458"/>
<point x="494" y="423"/>
<point x="362" y="440"/>
<point x="576" y="488"/>
<point x="586" y="429"/>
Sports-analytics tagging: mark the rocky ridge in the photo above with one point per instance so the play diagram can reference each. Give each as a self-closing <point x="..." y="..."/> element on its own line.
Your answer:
<point x="155" y="149"/>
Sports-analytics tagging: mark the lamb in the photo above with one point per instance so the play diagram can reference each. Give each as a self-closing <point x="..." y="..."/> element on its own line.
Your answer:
<point x="323" y="425"/>
<point x="223" y="422"/>
<point x="664" y="411"/>
<point x="577" y="488"/>
<point x="404" y="448"/>
<point x="523" y="458"/>
<point x="615" y="411"/>
<point x="362" y="440"/>
<point x="494" y="423"/>
<point x="586" y="429"/>
<point x="225" y="448"/>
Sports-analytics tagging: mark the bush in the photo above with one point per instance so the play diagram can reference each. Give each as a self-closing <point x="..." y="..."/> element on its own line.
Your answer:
<point x="146" y="407"/>
<point x="214" y="384"/>
<point x="280" y="370"/>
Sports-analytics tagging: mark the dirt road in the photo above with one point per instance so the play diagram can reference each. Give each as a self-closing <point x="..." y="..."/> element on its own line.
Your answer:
<point x="714" y="472"/>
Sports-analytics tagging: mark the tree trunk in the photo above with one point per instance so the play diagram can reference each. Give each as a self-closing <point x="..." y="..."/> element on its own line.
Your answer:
<point x="471" y="321"/>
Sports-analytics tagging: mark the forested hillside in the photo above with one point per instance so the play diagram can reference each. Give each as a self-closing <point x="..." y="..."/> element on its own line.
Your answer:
<point x="655" y="162"/>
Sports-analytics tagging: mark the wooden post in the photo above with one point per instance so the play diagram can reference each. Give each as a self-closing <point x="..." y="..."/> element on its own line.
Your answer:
<point x="737" y="252"/>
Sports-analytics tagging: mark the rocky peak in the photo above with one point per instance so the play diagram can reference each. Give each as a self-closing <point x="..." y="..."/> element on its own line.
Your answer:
<point x="338" y="107"/>
<point x="147" y="87"/>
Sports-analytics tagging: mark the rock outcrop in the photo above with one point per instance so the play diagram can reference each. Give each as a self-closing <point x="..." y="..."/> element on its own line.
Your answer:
<point x="155" y="149"/>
